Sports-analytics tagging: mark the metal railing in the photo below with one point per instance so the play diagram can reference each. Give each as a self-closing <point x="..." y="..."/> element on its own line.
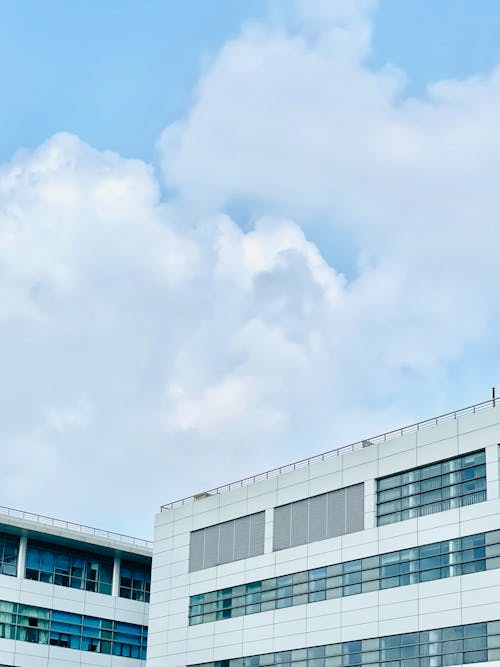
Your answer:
<point x="76" y="527"/>
<point x="396" y="433"/>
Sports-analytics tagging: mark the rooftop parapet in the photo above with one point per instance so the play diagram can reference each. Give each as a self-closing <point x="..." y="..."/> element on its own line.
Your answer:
<point x="75" y="527"/>
<point x="345" y="449"/>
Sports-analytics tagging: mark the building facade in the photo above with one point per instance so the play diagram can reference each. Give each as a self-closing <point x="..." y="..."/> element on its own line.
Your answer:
<point x="71" y="595"/>
<point x="386" y="552"/>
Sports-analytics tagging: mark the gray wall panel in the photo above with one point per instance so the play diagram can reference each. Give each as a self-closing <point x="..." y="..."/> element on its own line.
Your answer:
<point x="211" y="546"/>
<point x="226" y="542"/>
<point x="299" y="532"/>
<point x="354" y="508"/>
<point x="242" y="538"/>
<point x="336" y="513"/>
<point x="282" y="519"/>
<point x="196" y="550"/>
<point x="319" y="517"/>
<point x="257" y="530"/>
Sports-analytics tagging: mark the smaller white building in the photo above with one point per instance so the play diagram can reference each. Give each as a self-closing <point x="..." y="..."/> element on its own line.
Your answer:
<point x="71" y="594"/>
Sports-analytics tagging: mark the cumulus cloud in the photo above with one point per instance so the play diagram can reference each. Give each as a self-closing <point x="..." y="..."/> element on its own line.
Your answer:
<point x="154" y="347"/>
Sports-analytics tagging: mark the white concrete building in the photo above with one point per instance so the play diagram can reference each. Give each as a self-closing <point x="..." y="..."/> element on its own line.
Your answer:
<point x="70" y="594"/>
<point x="385" y="552"/>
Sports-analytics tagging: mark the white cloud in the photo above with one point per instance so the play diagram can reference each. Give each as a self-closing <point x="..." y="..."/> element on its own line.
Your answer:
<point x="153" y="349"/>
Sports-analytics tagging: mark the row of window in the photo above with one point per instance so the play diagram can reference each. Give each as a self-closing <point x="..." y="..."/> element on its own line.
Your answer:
<point x="436" y="469"/>
<point x="84" y="633"/>
<point x="445" y="493"/>
<point x="454" y="482"/>
<point x="62" y="566"/>
<point x="429" y="562"/>
<point x="416" y="488"/>
<point x="457" y="645"/>
<point x="447" y="484"/>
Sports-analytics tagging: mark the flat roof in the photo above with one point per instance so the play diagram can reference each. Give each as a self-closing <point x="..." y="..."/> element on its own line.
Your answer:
<point x="72" y="530"/>
<point x="345" y="449"/>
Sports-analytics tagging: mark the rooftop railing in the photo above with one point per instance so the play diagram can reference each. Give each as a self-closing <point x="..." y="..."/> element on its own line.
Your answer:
<point x="346" y="449"/>
<point x="75" y="527"/>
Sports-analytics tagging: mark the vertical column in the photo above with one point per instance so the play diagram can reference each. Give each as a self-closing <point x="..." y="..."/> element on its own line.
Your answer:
<point x="492" y="453"/>
<point x="268" y="530"/>
<point x="21" y="556"/>
<point x="370" y="504"/>
<point x="115" y="588"/>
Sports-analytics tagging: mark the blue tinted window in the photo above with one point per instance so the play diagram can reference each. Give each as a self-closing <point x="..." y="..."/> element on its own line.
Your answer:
<point x="135" y="581"/>
<point x="434" y="488"/>
<point x="400" y="568"/>
<point x="61" y="566"/>
<point x="9" y="546"/>
<point x="88" y="633"/>
<point x="432" y="648"/>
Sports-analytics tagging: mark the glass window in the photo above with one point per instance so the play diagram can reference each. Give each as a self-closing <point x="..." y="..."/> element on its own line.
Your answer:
<point x="431" y="648"/>
<point x="429" y="562"/>
<point x="443" y="485"/>
<point x="9" y="546"/>
<point x="135" y="581"/>
<point x="67" y="630"/>
<point x="54" y="564"/>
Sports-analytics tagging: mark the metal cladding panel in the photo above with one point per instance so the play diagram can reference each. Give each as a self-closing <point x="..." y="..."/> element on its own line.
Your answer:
<point x="226" y="542"/>
<point x="355" y="508"/>
<point x="257" y="533"/>
<point x="241" y="538"/>
<point x="317" y="517"/>
<point x="196" y="550"/>
<point x="300" y="529"/>
<point x="336" y="513"/>
<point x="282" y="519"/>
<point x="211" y="546"/>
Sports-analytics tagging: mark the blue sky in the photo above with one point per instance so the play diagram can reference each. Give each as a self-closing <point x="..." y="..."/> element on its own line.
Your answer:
<point x="117" y="72"/>
<point x="240" y="233"/>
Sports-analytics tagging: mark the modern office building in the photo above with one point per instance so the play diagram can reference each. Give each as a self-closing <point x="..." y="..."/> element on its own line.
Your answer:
<point x="70" y="594"/>
<point x="385" y="552"/>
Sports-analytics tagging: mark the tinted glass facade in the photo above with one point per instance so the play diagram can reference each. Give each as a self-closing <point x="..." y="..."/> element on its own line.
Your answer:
<point x="135" y="581"/>
<point x="61" y="566"/>
<point x="226" y="542"/>
<point x="319" y="517"/>
<point x="457" y="645"/>
<point x="450" y="558"/>
<point x="445" y="485"/>
<point x="9" y="547"/>
<point x="84" y="633"/>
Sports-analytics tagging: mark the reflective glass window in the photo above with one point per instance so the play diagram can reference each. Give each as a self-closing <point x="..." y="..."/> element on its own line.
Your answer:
<point x="9" y="547"/>
<point x="428" y="562"/>
<point x="135" y="580"/>
<point x="433" y="488"/>
<point x="62" y="566"/>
